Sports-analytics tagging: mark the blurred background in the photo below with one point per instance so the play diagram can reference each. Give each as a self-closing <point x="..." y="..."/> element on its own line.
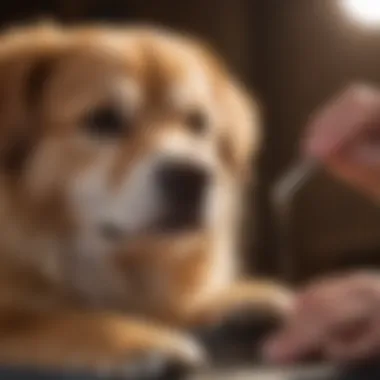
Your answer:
<point x="293" y="54"/>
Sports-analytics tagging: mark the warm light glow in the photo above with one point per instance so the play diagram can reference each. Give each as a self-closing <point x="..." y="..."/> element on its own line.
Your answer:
<point x="365" y="11"/>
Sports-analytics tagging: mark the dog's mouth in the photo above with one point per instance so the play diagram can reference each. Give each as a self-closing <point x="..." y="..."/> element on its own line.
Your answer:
<point x="183" y="220"/>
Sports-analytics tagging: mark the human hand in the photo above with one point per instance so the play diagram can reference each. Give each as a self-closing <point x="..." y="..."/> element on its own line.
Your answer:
<point x="345" y="136"/>
<point x="338" y="318"/>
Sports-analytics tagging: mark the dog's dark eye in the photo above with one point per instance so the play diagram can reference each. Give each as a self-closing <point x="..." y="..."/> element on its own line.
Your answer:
<point x="197" y="121"/>
<point x="106" y="122"/>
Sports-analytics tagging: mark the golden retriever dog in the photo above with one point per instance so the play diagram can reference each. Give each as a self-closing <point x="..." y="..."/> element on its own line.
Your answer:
<point x="124" y="152"/>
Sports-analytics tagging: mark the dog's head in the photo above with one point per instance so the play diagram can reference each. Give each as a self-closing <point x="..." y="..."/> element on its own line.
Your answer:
<point x="114" y="134"/>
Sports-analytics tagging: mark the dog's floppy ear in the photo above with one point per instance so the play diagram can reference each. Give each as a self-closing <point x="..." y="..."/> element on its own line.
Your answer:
<point x="22" y="83"/>
<point x="241" y="139"/>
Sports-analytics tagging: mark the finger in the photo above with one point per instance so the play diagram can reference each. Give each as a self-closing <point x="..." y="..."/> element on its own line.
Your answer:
<point x="365" y="178"/>
<point x="299" y="338"/>
<point x="331" y="295"/>
<point x="324" y="288"/>
<point x="320" y="306"/>
<point x="361" y="343"/>
<point x="283" y="349"/>
<point x="340" y="120"/>
<point x="357" y="339"/>
<point x="309" y="330"/>
<point x="322" y="310"/>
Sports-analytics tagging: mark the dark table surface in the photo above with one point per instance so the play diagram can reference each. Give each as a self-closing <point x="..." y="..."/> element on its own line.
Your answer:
<point x="368" y="371"/>
<point x="363" y="372"/>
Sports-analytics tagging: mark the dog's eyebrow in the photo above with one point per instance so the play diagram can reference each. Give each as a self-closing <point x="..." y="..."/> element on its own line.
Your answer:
<point x="37" y="76"/>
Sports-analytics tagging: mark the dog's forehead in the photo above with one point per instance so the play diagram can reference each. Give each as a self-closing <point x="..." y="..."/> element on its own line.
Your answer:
<point x="171" y="66"/>
<point x="132" y="68"/>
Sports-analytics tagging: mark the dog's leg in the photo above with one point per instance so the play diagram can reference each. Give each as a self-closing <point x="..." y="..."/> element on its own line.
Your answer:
<point x="234" y="323"/>
<point x="96" y="342"/>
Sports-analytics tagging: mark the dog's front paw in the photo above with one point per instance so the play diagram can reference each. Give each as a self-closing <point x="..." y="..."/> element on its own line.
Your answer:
<point x="239" y="336"/>
<point x="236" y="333"/>
<point x="174" y="360"/>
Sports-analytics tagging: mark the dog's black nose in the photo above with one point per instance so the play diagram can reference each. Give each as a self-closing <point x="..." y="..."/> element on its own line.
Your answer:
<point x="183" y="184"/>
